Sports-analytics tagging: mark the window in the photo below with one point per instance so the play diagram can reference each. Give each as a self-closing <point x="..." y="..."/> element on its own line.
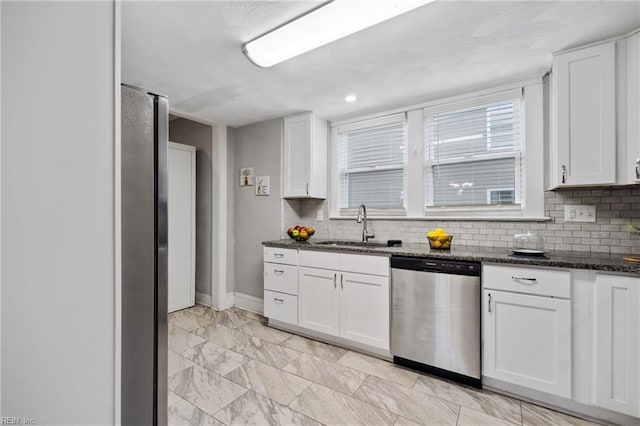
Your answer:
<point x="372" y="161"/>
<point x="474" y="155"/>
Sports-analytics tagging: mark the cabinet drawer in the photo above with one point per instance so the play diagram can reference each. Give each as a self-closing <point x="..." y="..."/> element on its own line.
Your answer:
<point x="365" y="264"/>
<point x="281" y="307"/>
<point x="280" y="255"/>
<point x="319" y="259"/>
<point x="539" y="281"/>
<point x="282" y="278"/>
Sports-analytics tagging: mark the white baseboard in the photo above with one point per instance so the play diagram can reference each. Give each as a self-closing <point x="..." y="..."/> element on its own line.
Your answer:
<point x="227" y="302"/>
<point x="203" y="299"/>
<point x="248" y="302"/>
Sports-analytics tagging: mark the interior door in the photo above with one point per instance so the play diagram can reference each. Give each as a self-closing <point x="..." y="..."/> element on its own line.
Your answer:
<point x="182" y="186"/>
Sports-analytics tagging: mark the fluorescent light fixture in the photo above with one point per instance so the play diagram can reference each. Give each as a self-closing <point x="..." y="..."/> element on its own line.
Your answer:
<point x="350" y="98"/>
<point x="323" y="25"/>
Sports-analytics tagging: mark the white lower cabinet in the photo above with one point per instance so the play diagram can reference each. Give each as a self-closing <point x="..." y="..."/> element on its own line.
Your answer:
<point x="281" y="284"/>
<point x="337" y="294"/>
<point x="364" y="309"/>
<point x="526" y="320"/>
<point x="617" y="343"/>
<point x="318" y="300"/>
<point x="348" y="305"/>
<point x="527" y="341"/>
<point x="281" y="306"/>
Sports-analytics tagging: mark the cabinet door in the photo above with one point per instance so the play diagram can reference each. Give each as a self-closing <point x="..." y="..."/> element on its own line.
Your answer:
<point x="181" y="206"/>
<point x="296" y="151"/>
<point x="632" y="165"/>
<point x="585" y="122"/>
<point x="318" y="300"/>
<point x="364" y="309"/>
<point x="617" y="343"/>
<point x="527" y="341"/>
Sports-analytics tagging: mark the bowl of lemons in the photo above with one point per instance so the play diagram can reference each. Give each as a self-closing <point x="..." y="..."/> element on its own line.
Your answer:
<point x="439" y="239"/>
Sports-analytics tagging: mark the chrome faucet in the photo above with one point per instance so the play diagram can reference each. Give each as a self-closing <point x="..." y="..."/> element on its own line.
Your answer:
<point x="362" y="218"/>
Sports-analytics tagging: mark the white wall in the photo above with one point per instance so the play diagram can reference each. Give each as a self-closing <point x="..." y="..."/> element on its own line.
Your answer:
<point x="57" y="201"/>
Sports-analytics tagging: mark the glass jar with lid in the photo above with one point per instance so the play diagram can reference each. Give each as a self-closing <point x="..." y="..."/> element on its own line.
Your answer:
<point x="528" y="243"/>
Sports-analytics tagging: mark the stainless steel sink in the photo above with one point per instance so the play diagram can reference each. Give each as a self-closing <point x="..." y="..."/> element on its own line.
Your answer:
<point x="350" y="243"/>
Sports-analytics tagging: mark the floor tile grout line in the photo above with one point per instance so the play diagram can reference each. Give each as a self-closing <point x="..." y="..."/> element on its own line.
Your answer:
<point x="306" y="378"/>
<point x="229" y="403"/>
<point x="266" y="396"/>
<point x="302" y="414"/>
<point x="195" y="406"/>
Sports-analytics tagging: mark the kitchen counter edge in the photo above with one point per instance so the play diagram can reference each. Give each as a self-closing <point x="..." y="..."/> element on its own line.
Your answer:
<point x="553" y="259"/>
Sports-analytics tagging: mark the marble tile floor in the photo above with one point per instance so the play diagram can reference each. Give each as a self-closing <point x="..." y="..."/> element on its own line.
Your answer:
<point x="229" y="368"/>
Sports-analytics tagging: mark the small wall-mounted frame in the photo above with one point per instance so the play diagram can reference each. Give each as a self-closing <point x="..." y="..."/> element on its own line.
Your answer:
<point x="262" y="185"/>
<point x="247" y="175"/>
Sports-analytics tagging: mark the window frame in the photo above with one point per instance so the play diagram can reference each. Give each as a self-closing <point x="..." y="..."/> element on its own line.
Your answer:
<point x="506" y="209"/>
<point x="399" y="118"/>
<point x="536" y="107"/>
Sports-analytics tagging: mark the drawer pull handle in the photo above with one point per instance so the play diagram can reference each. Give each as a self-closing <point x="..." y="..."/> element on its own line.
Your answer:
<point x="275" y="299"/>
<point x="489" y="303"/>
<point x="334" y="281"/>
<point x="278" y="255"/>
<point x="637" y="168"/>
<point x="342" y="281"/>
<point x="278" y="271"/>
<point x="531" y="280"/>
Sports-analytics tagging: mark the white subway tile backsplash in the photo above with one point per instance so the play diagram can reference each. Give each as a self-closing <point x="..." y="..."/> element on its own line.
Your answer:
<point x="615" y="208"/>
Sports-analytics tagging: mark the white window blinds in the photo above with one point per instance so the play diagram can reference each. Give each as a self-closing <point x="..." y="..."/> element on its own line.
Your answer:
<point x="474" y="154"/>
<point x="372" y="163"/>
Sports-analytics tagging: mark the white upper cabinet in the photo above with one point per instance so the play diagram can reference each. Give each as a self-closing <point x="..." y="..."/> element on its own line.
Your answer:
<point x="305" y="157"/>
<point x="631" y="164"/>
<point x="583" y="132"/>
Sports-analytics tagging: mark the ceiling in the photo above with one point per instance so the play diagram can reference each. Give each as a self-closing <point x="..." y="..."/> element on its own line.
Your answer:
<point x="191" y="52"/>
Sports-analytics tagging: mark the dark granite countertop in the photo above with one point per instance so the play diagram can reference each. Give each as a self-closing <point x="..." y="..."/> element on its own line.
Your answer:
<point x="559" y="259"/>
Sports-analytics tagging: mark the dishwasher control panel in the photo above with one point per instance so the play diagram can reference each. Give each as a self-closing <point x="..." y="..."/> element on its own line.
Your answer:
<point x="436" y="265"/>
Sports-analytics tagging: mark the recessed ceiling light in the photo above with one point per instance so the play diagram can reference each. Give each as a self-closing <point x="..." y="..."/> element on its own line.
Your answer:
<point x="330" y="22"/>
<point x="350" y="98"/>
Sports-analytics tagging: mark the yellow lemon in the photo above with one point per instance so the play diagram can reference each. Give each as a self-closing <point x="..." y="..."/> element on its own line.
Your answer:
<point x="446" y="245"/>
<point x="443" y="237"/>
<point x="436" y="244"/>
<point x="439" y="231"/>
<point x="432" y="235"/>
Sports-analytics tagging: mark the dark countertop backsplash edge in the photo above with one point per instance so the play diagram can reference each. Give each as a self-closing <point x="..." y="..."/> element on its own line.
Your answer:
<point x="554" y="259"/>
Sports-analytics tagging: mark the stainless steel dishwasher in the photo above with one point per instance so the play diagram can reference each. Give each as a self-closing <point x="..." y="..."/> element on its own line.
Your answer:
<point x="435" y="317"/>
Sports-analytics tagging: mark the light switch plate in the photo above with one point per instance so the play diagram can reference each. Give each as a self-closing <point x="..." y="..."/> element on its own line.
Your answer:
<point x="320" y="215"/>
<point x="579" y="213"/>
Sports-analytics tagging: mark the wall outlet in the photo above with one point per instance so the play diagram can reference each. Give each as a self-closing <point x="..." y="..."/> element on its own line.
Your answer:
<point x="320" y="215"/>
<point x="579" y="213"/>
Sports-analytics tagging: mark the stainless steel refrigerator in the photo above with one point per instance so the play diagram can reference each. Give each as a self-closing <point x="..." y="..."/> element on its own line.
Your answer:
<point x="144" y="257"/>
